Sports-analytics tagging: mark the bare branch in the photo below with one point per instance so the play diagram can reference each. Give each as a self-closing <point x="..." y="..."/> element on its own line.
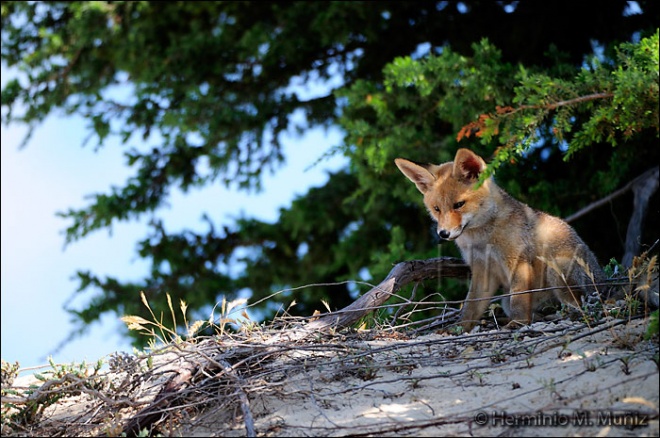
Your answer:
<point x="402" y="274"/>
<point x="551" y="106"/>
<point x="594" y="205"/>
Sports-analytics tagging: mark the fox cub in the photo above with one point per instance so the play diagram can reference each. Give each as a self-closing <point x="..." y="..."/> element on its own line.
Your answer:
<point x="506" y="243"/>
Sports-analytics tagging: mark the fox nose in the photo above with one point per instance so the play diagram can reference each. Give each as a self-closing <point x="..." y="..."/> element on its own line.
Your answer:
<point x="444" y="234"/>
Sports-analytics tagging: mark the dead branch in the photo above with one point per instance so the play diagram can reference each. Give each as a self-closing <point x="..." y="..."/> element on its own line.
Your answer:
<point x="248" y="418"/>
<point x="609" y="198"/>
<point x="643" y="188"/>
<point x="402" y="274"/>
<point x="208" y="378"/>
<point x="166" y="398"/>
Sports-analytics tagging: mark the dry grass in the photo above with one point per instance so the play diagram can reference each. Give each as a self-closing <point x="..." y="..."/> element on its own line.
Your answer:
<point x="266" y="379"/>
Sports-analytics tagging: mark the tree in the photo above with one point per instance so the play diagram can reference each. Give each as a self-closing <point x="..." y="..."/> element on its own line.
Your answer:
<point x="216" y="81"/>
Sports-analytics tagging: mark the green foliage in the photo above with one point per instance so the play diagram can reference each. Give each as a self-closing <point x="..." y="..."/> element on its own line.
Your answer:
<point x="64" y="380"/>
<point x="601" y="103"/>
<point x="417" y="100"/>
<point x="654" y="326"/>
<point x="201" y="93"/>
<point x="613" y="268"/>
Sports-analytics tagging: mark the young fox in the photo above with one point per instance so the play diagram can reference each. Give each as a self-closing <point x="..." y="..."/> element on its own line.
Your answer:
<point x="505" y="242"/>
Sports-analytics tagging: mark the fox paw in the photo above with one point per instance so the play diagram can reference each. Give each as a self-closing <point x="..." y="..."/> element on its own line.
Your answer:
<point x="514" y="325"/>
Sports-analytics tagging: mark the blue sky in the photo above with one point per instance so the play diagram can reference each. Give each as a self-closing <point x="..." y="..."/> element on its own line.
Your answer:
<point x="55" y="172"/>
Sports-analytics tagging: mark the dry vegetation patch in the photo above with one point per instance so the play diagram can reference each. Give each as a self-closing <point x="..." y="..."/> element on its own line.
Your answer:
<point x="596" y="375"/>
<point x="551" y="378"/>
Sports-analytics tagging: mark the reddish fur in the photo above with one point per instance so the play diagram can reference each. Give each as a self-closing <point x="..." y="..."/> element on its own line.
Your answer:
<point x="505" y="242"/>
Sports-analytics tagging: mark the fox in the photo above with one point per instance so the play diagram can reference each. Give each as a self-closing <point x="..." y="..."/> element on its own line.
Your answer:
<point x="505" y="242"/>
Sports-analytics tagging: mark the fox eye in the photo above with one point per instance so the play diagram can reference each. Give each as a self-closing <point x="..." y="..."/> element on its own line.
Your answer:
<point x="436" y="208"/>
<point x="459" y="204"/>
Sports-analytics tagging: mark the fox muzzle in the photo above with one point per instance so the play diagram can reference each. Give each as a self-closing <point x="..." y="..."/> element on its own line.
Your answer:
<point x="444" y="234"/>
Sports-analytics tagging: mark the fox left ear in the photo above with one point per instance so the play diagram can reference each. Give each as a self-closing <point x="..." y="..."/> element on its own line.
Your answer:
<point x="416" y="173"/>
<point x="467" y="165"/>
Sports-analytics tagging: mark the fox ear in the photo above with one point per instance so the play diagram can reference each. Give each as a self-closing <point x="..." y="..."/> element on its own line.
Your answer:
<point x="467" y="165"/>
<point x="416" y="173"/>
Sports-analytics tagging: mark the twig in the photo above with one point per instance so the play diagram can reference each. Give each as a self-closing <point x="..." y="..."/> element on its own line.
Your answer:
<point x="147" y="417"/>
<point x="410" y="300"/>
<point x="54" y="386"/>
<point x="245" y="401"/>
<point x="611" y="196"/>
<point x="402" y="274"/>
<point x="643" y="188"/>
<point x="551" y="106"/>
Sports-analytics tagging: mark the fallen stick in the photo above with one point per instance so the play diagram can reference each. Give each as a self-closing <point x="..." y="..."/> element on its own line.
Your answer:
<point x="400" y="275"/>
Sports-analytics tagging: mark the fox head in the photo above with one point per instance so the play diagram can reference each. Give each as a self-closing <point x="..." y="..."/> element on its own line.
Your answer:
<point x="450" y="192"/>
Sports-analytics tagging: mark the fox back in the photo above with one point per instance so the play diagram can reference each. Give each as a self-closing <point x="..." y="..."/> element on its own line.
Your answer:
<point x="506" y="243"/>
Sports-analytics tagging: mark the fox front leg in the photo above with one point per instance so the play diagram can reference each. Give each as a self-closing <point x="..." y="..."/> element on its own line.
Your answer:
<point x="482" y="289"/>
<point x="521" y="305"/>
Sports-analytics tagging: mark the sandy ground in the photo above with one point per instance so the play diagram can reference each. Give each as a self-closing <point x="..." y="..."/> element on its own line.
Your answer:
<point x="547" y="379"/>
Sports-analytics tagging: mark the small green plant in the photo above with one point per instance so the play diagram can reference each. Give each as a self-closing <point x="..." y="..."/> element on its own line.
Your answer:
<point x="652" y="329"/>
<point x="9" y="372"/>
<point x="551" y="386"/>
<point x="625" y="365"/>
<point x="63" y="380"/>
<point x="590" y="365"/>
<point x="366" y="370"/>
<point x="614" y="268"/>
<point x="477" y="375"/>
<point x="498" y="356"/>
<point x="564" y="352"/>
<point x="414" y="383"/>
<point x="455" y="330"/>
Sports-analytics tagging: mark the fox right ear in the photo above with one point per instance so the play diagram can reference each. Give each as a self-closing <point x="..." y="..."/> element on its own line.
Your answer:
<point x="468" y="165"/>
<point x="422" y="178"/>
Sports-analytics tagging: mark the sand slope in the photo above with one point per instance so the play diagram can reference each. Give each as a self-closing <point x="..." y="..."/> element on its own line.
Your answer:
<point x="548" y="379"/>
